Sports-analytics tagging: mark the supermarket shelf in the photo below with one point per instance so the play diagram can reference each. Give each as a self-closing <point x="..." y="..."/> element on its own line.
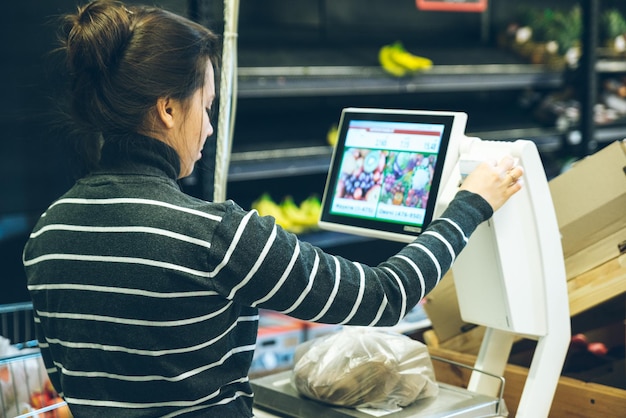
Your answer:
<point x="610" y="62"/>
<point x="300" y="161"/>
<point x="341" y="80"/>
<point x="323" y="71"/>
<point x="279" y="162"/>
<point x="321" y="80"/>
<point x="336" y="70"/>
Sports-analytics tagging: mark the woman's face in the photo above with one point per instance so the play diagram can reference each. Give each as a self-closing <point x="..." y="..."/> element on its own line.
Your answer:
<point x="188" y="140"/>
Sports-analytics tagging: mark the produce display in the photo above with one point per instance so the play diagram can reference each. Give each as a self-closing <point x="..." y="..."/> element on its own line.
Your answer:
<point x="289" y="215"/>
<point x="396" y="178"/>
<point x="562" y="109"/>
<point x="584" y="355"/>
<point x="49" y="397"/>
<point x="553" y="37"/>
<point x="25" y="386"/>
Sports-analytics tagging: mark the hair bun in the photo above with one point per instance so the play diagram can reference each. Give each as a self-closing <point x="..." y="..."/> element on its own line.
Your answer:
<point x="96" y="36"/>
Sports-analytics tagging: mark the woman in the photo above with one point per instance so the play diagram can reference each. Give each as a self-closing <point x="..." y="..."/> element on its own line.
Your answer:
<point x="146" y="298"/>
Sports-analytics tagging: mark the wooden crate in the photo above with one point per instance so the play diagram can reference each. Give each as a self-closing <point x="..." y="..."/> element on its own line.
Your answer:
<point x="453" y="339"/>
<point x="573" y="398"/>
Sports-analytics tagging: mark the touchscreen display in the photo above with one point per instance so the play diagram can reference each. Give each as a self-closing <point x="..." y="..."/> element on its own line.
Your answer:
<point x="385" y="173"/>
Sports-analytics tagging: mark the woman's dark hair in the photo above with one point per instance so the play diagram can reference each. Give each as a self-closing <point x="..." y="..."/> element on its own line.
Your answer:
<point x="121" y="59"/>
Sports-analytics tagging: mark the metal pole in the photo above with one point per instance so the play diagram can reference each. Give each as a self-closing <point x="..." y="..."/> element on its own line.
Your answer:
<point x="589" y="82"/>
<point x="227" y="99"/>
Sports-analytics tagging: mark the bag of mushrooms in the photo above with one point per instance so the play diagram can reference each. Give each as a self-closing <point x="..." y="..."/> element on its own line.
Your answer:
<point x="361" y="367"/>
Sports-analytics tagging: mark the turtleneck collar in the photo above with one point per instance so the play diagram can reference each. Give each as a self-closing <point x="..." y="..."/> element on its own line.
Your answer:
<point x="138" y="154"/>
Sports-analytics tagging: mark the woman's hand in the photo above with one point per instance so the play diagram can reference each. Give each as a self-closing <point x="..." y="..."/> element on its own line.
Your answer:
<point x="496" y="183"/>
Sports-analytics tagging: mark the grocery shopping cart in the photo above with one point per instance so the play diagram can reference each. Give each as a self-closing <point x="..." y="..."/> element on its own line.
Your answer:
<point x="25" y="390"/>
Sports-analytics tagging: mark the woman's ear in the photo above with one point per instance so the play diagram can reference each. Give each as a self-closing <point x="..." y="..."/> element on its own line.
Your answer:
<point x="165" y="111"/>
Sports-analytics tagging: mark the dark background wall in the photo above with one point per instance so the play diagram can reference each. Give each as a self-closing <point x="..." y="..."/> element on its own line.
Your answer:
<point x="35" y="158"/>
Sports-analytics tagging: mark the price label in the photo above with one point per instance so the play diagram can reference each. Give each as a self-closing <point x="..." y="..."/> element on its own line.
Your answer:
<point x="452" y="5"/>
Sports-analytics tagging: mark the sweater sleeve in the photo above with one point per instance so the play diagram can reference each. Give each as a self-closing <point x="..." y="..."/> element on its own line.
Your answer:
<point x="260" y="265"/>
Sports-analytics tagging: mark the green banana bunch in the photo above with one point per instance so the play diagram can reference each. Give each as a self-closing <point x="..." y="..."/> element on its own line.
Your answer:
<point x="397" y="61"/>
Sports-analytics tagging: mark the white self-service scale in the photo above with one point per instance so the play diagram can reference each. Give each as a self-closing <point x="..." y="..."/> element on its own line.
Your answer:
<point x="510" y="278"/>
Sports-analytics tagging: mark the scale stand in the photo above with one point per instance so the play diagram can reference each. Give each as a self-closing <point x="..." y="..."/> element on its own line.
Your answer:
<point x="510" y="279"/>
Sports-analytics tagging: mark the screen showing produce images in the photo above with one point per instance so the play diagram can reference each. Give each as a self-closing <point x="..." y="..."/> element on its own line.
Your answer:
<point x="387" y="170"/>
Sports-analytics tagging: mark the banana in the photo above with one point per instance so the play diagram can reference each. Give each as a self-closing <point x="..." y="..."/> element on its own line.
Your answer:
<point x="288" y="214"/>
<point x="409" y="61"/>
<point x="331" y="136"/>
<point x="267" y="207"/>
<point x="398" y="62"/>
<point x="312" y="207"/>
<point x="385" y="57"/>
<point x="295" y="214"/>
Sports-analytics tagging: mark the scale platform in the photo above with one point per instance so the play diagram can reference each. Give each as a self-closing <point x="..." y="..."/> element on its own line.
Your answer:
<point x="276" y="394"/>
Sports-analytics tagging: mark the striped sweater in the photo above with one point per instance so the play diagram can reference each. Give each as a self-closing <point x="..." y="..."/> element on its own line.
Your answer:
<point x="146" y="299"/>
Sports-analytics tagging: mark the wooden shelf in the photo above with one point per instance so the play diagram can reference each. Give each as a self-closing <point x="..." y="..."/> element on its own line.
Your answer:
<point x="597" y="286"/>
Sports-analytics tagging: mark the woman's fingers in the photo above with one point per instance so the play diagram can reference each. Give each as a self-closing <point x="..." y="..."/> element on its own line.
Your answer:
<point x="495" y="183"/>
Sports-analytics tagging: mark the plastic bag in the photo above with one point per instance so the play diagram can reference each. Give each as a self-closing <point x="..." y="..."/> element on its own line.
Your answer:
<point x="364" y="367"/>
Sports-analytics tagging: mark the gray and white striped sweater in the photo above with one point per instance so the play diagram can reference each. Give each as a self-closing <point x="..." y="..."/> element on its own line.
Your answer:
<point x="146" y="299"/>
